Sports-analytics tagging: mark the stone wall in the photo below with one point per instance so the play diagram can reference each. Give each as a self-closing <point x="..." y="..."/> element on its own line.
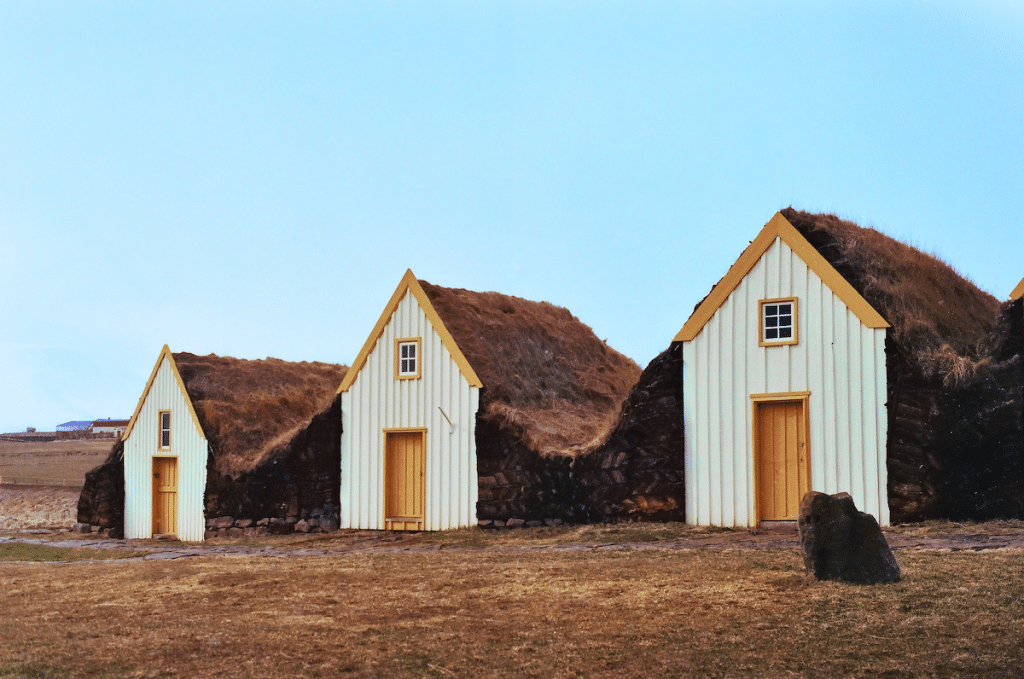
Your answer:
<point x="518" y="485"/>
<point x="637" y="474"/>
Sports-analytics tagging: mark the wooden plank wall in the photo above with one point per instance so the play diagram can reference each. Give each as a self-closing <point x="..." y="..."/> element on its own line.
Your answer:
<point x="377" y="401"/>
<point x="187" y="444"/>
<point x="839" y="360"/>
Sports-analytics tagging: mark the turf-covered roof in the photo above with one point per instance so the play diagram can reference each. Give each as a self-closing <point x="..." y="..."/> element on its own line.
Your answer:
<point x="545" y="374"/>
<point x="928" y="303"/>
<point x="931" y="309"/>
<point x="246" y="407"/>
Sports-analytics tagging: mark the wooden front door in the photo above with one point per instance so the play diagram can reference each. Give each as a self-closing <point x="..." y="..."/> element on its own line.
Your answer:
<point x="165" y="496"/>
<point x="404" y="482"/>
<point x="781" y="459"/>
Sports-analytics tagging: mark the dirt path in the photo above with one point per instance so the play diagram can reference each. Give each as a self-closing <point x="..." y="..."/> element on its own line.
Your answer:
<point x="49" y="512"/>
<point x="380" y="542"/>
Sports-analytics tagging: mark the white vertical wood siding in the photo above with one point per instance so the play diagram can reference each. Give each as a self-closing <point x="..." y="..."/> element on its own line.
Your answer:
<point x="142" y="446"/>
<point x="377" y="401"/>
<point x="840" y="361"/>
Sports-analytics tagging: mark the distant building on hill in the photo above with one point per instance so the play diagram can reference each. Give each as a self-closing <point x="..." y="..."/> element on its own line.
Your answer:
<point x="114" y="427"/>
<point x="75" y="425"/>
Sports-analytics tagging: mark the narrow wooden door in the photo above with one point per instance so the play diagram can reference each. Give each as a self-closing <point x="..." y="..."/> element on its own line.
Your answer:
<point x="781" y="457"/>
<point x="404" y="482"/>
<point x="165" y="496"/>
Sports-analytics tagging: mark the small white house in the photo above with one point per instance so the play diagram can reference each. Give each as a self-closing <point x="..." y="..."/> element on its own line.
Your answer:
<point x="165" y="455"/>
<point x="784" y="388"/>
<point x="408" y="408"/>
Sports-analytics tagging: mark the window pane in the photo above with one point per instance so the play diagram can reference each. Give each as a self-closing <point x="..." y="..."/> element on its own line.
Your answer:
<point x="771" y="309"/>
<point x="785" y="308"/>
<point x="771" y="322"/>
<point x="771" y="334"/>
<point x="785" y="332"/>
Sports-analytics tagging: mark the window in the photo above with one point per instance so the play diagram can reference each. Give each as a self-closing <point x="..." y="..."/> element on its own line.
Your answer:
<point x="779" y="322"/>
<point x="407" y="358"/>
<point x="165" y="429"/>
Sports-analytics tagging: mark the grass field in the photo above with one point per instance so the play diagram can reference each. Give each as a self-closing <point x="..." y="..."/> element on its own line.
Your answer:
<point x="510" y="613"/>
<point x="56" y="462"/>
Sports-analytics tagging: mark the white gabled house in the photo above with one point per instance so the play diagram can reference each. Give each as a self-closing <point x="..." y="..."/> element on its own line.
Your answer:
<point x="408" y="407"/>
<point x="784" y="388"/>
<point x="165" y="456"/>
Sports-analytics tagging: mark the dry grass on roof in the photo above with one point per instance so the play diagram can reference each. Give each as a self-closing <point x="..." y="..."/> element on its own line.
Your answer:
<point x="247" y="406"/>
<point x="546" y="375"/>
<point x="930" y="306"/>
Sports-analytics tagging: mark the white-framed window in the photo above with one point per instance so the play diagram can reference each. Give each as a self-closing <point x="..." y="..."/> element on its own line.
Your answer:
<point x="778" y="322"/>
<point x="408" y="360"/>
<point x="165" y="429"/>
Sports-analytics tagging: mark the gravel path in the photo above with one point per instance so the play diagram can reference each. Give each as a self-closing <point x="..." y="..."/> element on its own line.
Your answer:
<point x="380" y="542"/>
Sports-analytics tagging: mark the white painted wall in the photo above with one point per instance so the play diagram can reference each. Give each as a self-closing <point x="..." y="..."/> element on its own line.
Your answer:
<point x="376" y="401"/>
<point x="187" y="444"/>
<point x="838" y="359"/>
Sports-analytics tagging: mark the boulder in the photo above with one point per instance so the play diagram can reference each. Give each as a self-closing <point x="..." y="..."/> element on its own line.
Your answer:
<point x="243" y="523"/>
<point x="224" y="522"/>
<point x="514" y="523"/>
<point x="301" y="526"/>
<point x="841" y="543"/>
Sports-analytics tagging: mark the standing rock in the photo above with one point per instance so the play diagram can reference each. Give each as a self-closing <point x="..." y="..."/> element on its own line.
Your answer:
<point x="841" y="543"/>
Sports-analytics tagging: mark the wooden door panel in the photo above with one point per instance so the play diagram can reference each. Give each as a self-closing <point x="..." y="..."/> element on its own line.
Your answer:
<point x="165" y="496"/>
<point x="404" y="485"/>
<point x="782" y="476"/>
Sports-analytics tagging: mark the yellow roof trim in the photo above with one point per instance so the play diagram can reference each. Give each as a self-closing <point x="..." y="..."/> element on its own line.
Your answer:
<point x="1018" y="291"/>
<point x="165" y="353"/>
<point x="409" y="283"/>
<point x="779" y="227"/>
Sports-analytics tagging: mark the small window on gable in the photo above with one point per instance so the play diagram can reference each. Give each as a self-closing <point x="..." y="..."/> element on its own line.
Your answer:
<point x="779" y="322"/>
<point x="165" y="429"/>
<point x="407" y="358"/>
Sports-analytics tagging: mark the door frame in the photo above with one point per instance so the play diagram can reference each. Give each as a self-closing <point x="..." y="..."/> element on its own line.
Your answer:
<point x="756" y="401"/>
<point x="411" y="523"/>
<point x="153" y="493"/>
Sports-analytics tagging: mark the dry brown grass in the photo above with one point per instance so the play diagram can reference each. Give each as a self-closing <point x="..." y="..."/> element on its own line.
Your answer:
<point x="58" y="462"/>
<point x="29" y="507"/>
<point x="248" y="407"/>
<point x="474" y="614"/>
<point x="545" y="373"/>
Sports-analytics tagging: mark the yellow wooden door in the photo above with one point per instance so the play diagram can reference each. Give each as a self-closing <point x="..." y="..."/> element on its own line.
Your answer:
<point x="165" y="496"/>
<point x="782" y="464"/>
<point x="404" y="482"/>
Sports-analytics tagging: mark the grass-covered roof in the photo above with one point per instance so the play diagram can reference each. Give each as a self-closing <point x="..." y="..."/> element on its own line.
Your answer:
<point x="933" y="310"/>
<point x="249" y="407"/>
<point x="545" y="374"/>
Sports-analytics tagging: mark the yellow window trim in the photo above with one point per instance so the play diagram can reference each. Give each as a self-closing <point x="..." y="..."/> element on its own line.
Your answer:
<point x="795" y="339"/>
<point x="1018" y="291"/>
<point x="398" y="359"/>
<point x="165" y="353"/>
<point x="410" y="284"/>
<point x="779" y="227"/>
<point x="160" y="430"/>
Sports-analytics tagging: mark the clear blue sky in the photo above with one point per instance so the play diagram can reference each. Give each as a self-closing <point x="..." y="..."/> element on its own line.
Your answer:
<point x="253" y="178"/>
